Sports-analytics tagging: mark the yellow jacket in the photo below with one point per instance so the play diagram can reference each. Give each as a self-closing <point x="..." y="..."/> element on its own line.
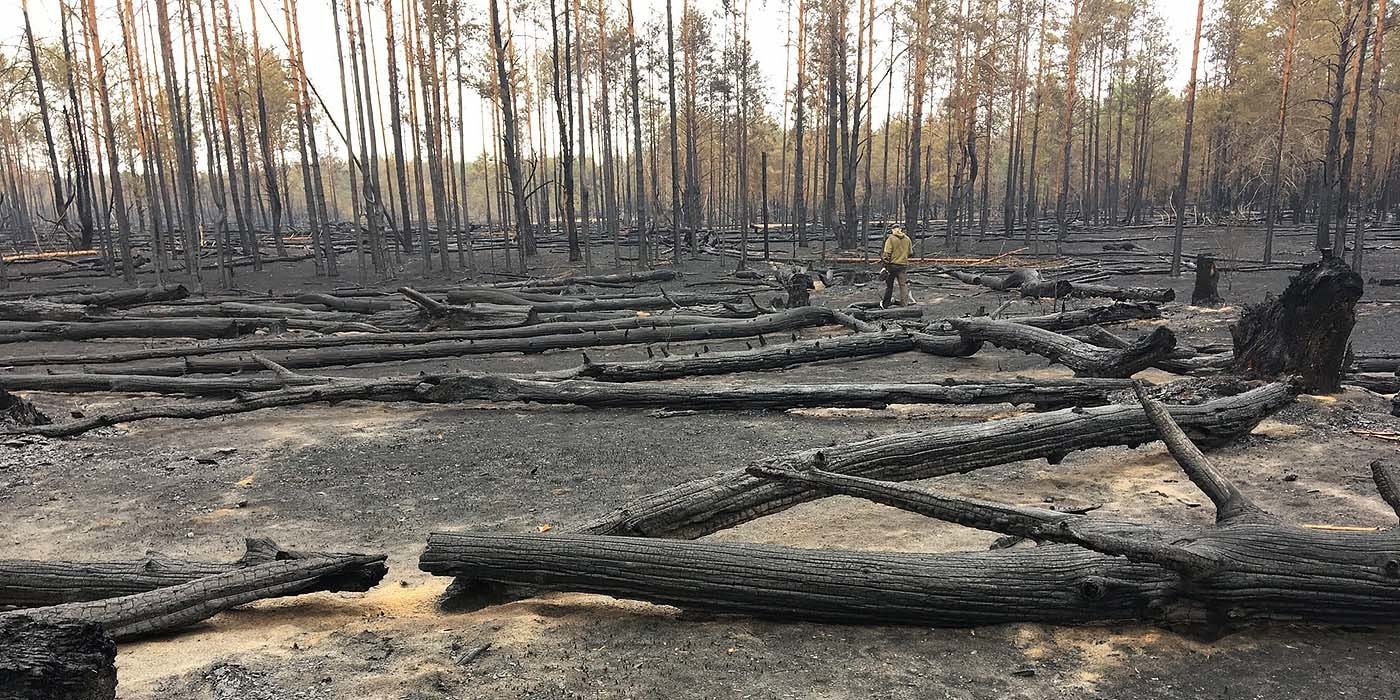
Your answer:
<point x="897" y="248"/>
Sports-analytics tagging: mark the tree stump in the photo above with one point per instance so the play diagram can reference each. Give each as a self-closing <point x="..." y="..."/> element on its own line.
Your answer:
<point x="18" y="412"/>
<point x="1305" y="331"/>
<point x="797" y="282"/>
<point x="1206" y="292"/>
<point x="58" y="660"/>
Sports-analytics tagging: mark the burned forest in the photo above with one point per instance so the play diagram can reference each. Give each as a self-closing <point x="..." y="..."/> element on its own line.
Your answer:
<point x="418" y="349"/>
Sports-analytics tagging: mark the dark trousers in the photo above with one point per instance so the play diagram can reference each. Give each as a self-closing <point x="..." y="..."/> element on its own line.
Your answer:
<point x="895" y="273"/>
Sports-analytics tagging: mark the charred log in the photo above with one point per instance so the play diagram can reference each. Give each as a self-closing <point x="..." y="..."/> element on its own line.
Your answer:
<point x="1249" y="566"/>
<point x="1062" y="289"/>
<point x="859" y="345"/>
<point x="29" y="584"/>
<point x="1014" y="280"/>
<point x="173" y="607"/>
<point x="1041" y="393"/>
<point x="707" y="505"/>
<point x="1083" y="358"/>
<point x="332" y="356"/>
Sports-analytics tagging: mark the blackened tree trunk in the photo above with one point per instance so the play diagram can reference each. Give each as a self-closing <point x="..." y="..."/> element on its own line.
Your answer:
<point x="1271" y="212"/>
<point x="1206" y="291"/>
<point x="1305" y="331"/>
<point x="60" y="205"/>
<point x="510" y="134"/>
<point x="109" y="129"/>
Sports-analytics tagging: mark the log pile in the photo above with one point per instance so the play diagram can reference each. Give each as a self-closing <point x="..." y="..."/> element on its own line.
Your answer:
<point x="1089" y="570"/>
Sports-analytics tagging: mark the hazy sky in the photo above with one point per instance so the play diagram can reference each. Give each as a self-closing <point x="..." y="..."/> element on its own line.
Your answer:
<point x="768" y="32"/>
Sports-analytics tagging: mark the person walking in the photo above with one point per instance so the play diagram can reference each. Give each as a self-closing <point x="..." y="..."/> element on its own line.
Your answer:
<point x="895" y="259"/>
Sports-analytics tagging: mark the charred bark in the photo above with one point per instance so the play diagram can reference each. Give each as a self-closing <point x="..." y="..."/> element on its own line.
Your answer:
<point x="1304" y="332"/>
<point x="707" y="505"/>
<point x="1206" y="292"/>
<point x="173" y="607"/>
<point x="58" y="660"/>
<point x="1085" y="359"/>
<point x="1041" y="393"/>
<point x="1061" y="289"/>
<point x="859" y="345"/>
<point x="1249" y="566"/>
<point x="30" y="584"/>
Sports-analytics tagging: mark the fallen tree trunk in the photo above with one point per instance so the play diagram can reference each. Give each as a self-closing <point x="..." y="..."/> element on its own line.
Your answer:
<point x="118" y="298"/>
<point x="1091" y="316"/>
<point x="662" y="275"/>
<point x="1379" y="383"/>
<point x="1062" y="289"/>
<point x="1041" y="393"/>
<point x="359" y="305"/>
<point x="1376" y="362"/>
<point x="198" y="328"/>
<point x="859" y="345"/>
<point x="707" y="505"/>
<point x="1083" y="358"/>
<point x="41" y="310"/>
<point x="173" y="607"/>
<point x="150" y="384"/>
<point x="789" y="320"/>
<point x="1305" y="332"/>
<point x="336" y="341"/>
<point x="30" y="584"/>
<point x="1015" y="279"/>
<point x="1040" y="584"/>
<point x="58" y="660"/>
<point x="399" y="389"/>
<point x="673" y="300"/>
<point x="1249" y="566"/>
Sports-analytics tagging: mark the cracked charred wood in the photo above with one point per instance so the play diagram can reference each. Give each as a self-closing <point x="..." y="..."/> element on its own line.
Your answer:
<point x="1083" y="358"/>
<point x="665" y="300"/>
<point x="453" y="316"/>
<point x="1041" y="393"/>
<point x="394" y="389"/>
<point x="798" y="284"/>
<point x="618" y="278"/>
<point x="336" y="341"/>
<point x="30" y="584"/>
<point x="1014" y="280"/>
<point x="1182" y="360"/>
<point x="16" y="411"/>
<point x="59" y="660"/>
<point x="1062" y="289"/>
<point x="119" y="298"/>
<point x="1376" y="362"/>
<point x="700" y="507"/>
<point x="1054" y="583"/>
<point x="1305" y="332"/>
<point x="1379" y="383"/>
<point x="359" y="305"/>
<point x="42" y="310"/>
<point x="198" y="328"/>
<point x="1249" y="566"/>
<point x="1078" y="318"/>
<point x="181" y="605"/>
<point x="1206" y="291"/>
<point x="858" y="345"/>
<point x="328" y="357"/>
<point x="75" y="383"/>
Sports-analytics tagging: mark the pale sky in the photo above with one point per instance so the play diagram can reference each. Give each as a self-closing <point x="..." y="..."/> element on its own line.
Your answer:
<point x="768" y="32"/>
